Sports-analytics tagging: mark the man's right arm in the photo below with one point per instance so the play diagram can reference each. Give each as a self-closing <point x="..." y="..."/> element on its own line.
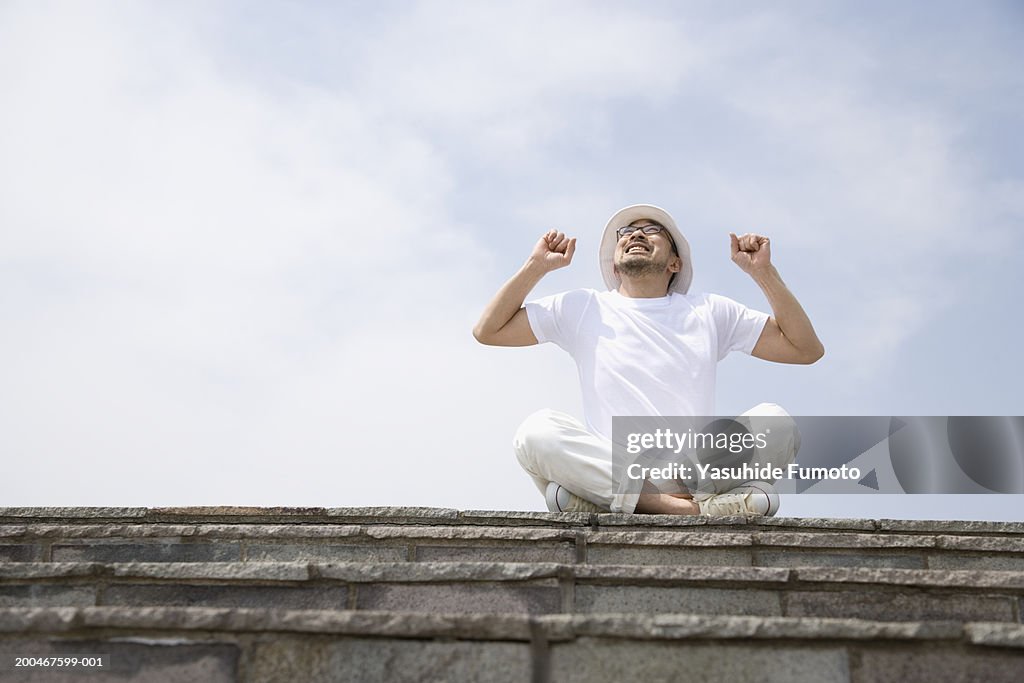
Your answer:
<point x="504" y="321"/>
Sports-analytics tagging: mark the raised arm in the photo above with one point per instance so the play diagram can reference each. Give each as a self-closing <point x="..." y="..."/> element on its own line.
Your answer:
<point x="788" y="336"/>
<point x="504" y="322"/>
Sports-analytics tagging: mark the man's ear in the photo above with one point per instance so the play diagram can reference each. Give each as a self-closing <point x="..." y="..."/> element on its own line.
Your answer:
<point x="675" y="265"/>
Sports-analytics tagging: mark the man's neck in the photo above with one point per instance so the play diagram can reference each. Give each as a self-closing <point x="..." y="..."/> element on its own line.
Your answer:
<point x="643" y="288"/>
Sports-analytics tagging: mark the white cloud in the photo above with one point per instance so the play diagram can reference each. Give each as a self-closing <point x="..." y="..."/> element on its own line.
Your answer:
<point x="215" y="288"/>
<point x="225" y="283"/>
<point x="507" y="79"/>
<point x="879" y="189"/>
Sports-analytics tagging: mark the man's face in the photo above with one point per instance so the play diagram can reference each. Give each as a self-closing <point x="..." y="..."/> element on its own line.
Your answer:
<point x="638" y="254"/>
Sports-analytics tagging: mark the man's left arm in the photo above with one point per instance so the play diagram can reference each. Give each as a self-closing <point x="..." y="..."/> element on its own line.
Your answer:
<point x="788" y="336"/>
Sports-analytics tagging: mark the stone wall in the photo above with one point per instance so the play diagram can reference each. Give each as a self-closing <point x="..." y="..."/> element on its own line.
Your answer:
<point x="414" y="594"/>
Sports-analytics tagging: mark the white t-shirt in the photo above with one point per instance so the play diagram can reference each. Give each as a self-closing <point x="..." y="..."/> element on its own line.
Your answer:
<point x="644" y="357"/>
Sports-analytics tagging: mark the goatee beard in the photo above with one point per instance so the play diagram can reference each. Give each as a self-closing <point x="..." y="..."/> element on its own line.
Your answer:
<point x="640" y="267"/>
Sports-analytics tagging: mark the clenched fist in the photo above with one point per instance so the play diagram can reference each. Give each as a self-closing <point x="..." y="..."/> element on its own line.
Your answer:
<point x="554" y="250"/>
<point x="751" y="252"/>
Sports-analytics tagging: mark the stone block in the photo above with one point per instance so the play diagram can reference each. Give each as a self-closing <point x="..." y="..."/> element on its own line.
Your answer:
<point x="22" y="620"/>
<point x="166" y="662"/>
<point x="668" y="599"/>
<point x="236" y="513"/>
<point x="653" y="555"/>
<point x="293" y="552"/>
<point x="21" y="514"/>
<point x="890" y="606"/>
<point x="632" y="574"/>
<point x="421" y="625"/>
<point x="590" y="659"/>
<point x="175" y="532"/>
<point x="184" y="619"/>
<point x="469" y="533"/>
<point x="563" y="553"/>
<point x="1003" y="562"/>
<point x="688" y="538"/>
<point x="184" y="595"/>
<point x="816" y="523"/>
<point x="846" y="540"/>
<point x="939" y="663"/>
<point x="996" y="635"/>
<point x="169" y="532"/>
<point x="413" y="572"/>
<point x="678" y="626"/>
<point x="155" y="551"/>
<point x="373" y="660"/>
<point x="393" y="515"/>
<point x="987" y="544"/>
<point x="48" y="570"/>
<point x="21" y="552"/>
<point x="536" y="597"/>
<point x="206" y="571"/>
<point x="950" y="527"/>
<point x="47" y="595"/>
<point x="647" y="521"/>
<point x="280" y="531"/>
<point x="795" y="557"/>
<point x="951" y="578"/>
<point x="525" y="518"/>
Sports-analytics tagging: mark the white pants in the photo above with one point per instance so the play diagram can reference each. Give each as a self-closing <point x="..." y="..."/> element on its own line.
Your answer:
<point x="553" y="446"/>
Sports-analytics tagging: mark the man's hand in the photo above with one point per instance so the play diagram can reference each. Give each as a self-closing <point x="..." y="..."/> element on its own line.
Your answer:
<point x="504" y="322"/>
<point x="553" y="251"/>
<point x="751" y="252"/>
<point x="788" y="336"/>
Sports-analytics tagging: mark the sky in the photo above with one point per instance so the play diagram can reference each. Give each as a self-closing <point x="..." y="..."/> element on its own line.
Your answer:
<point x="243" y="245"/>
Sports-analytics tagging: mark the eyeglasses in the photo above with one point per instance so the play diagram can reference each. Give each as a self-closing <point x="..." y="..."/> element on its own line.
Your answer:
<point x="628" y="230"/>
<point x="647" y="230"/>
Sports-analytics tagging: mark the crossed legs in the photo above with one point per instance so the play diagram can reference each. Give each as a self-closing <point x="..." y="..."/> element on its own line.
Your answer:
<point x="555" y="447"/>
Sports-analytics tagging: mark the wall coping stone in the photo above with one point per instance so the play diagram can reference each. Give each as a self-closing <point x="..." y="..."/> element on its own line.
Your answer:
<point x="449" y="572"/>
<point x="681" y="537"/>
<point x="960" y="578"/>
<point x="696" y="537"/>
<point x="489" y="517"/>
<point x="20" y="516"/>
<point x="195" y="521"/>
<point x="948" y="526"/>
<point x="209" y="621"/>
<point x="73" y="512"/>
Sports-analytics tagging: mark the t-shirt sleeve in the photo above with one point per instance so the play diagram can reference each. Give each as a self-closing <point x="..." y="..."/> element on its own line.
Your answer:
<point x="738" y="327"/>
<point x="557" y="318"/>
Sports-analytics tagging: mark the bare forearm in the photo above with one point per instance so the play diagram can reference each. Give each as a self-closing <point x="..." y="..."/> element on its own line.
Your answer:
<point x="504" y="322"/>
<point x="509" y="299"/>
<point x="788" y="313"/>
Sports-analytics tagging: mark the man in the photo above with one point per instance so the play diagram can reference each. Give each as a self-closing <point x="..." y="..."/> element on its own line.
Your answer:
<point x="646" y="347"/>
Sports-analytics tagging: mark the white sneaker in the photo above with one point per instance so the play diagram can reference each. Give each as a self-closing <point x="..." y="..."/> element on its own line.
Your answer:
<point x="561" y="499"/>
<point x="752" y="498"/>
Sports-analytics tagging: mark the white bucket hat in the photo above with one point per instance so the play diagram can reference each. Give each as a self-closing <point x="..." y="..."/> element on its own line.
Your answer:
<point x="622" y="218"/>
